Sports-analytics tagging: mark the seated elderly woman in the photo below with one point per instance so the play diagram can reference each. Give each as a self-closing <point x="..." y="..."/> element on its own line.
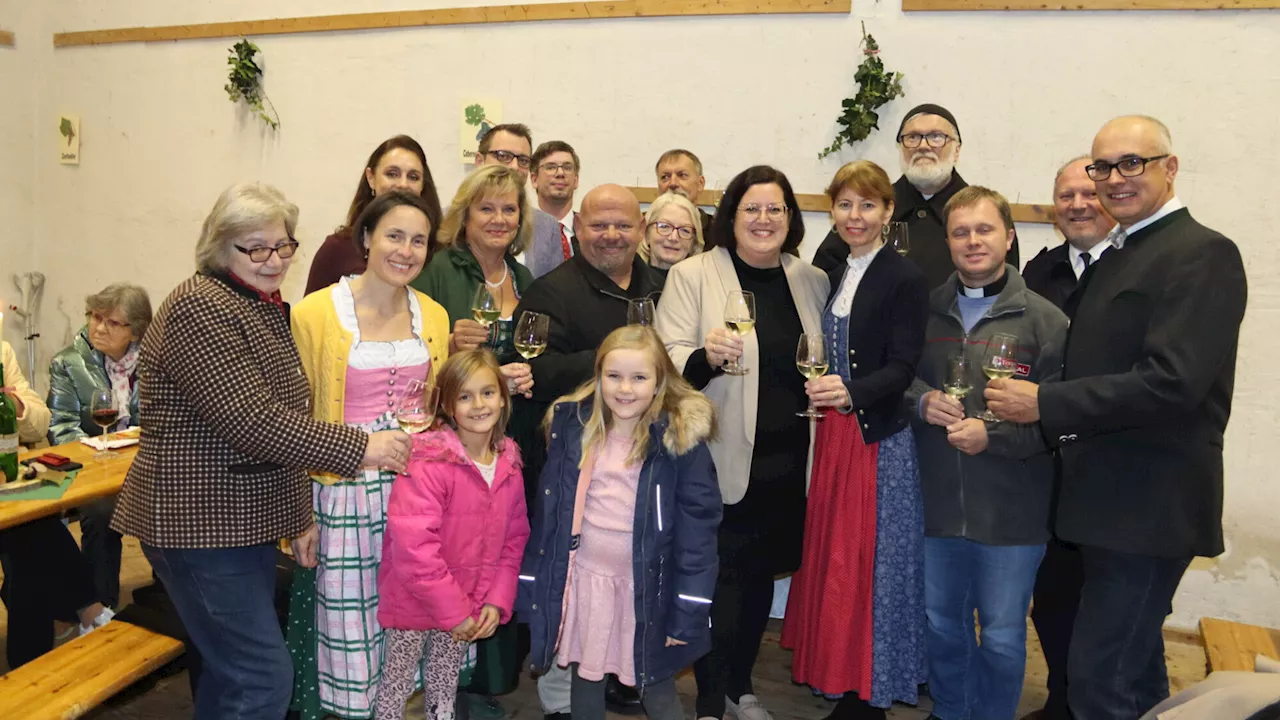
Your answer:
<point x="103" y="356"/>
<point x="673" y="232"/>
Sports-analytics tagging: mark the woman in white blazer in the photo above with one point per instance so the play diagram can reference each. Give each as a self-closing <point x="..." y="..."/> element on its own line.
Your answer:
<point x="762" y="449"/>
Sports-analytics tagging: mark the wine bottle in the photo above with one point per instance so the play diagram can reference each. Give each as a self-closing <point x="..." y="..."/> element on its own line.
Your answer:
<point x="8" y="434"/>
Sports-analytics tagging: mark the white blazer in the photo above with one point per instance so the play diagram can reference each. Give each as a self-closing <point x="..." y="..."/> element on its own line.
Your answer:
<point x="692" y="305"/>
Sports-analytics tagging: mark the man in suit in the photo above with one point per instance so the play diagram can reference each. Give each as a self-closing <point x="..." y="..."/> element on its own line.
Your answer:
<point x="1053" y="274"/>
<point x="1138" y="417"/>
<point x="929" y="147"/>
<point x="555" y="179"/>
<point x="510" y="144"/>
<point x="680" y="171"/>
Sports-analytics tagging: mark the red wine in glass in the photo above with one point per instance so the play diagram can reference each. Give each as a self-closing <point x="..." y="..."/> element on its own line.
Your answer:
<point x="105" y="418"/>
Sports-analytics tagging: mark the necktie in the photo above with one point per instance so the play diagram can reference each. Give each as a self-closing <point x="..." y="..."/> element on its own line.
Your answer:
<point x="565" y="248"/>
<point x="1086" y="258"/>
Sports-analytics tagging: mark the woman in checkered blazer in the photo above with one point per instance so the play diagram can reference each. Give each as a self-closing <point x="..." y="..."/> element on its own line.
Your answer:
<point x="221" y="473"/>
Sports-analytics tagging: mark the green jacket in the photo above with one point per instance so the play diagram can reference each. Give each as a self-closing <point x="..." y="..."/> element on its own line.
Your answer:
<point x="75" y="374"/>
<point x="453" y="276"/>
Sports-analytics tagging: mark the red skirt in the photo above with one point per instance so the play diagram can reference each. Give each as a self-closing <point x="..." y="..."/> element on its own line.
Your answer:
<point x="828" y="622"/>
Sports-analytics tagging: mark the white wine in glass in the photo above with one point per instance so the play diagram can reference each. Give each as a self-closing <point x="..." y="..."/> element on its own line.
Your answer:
<point x="417" y="408"/>
<point x="957" y="384"/>
<point x="531" y="334"/>
<point x="485" y="308"/>
<point x="811" y="361"/>
<point x="739" y="319"/>
<point x="999" y="363"/>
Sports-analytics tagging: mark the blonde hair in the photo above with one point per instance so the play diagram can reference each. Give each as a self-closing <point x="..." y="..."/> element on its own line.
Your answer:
<point x="486" y="180"/>
<point x="455" y="373"/>
<point x="661" y="202"/>
<point x="241" y="209"/>
<point x="670" y="390"/>
<point x="974" y="194"/>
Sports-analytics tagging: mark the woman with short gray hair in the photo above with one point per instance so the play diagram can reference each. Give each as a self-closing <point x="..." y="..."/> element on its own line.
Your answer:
<point x="221" y="473"/>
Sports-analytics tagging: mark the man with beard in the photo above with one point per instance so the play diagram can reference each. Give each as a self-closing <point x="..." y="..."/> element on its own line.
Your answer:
<point x="1138" y="417"/>
<point x="680" y="171"/>
<point x="555" y="179"/>
<point x="510" y="144"/>
<point x="585" y="298"/>
<point x="929" y="146"/>
<point x="1054" y="274"/>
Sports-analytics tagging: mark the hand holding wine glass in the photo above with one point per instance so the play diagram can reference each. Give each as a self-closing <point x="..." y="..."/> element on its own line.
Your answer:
<point x="999" y="363"/>
<point x="103" y="410"/>
<point x="739" y="319"/>
<point x="485" y="309"/>
<point x="811" y="361"/>
<point x="958" y="384"/>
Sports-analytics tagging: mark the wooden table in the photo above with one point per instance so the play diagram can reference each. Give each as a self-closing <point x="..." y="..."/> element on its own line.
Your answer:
<point x="98" y="478"/>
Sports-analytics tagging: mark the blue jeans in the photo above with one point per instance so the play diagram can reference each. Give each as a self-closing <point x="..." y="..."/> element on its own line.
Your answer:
<point x="967" y="679"/>
<point x="224" y="597"/>
<point x="1116" y="668"/>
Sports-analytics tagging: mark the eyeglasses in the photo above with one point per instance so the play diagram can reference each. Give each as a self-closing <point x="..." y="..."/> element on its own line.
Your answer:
<point x="100" y="319"/>
<point x="552" y="168"/>
<point x="1129" y="167"/>
<point x="935" y="139"/>
<point x="263" y="254"/>
<point x="773" y="212"/>
<point x="506" y="157"/>
<point x="664" y="229"/>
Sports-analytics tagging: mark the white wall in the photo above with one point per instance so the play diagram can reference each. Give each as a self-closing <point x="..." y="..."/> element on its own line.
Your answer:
<point x="160" y="139"/>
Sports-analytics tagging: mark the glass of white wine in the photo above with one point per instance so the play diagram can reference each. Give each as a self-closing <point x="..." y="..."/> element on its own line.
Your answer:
<point x="957" y="384"/>
<point x="640" y="312"/>
<point x="740" y="319"/>
<point x="531" y="334"/>
<point x="811" y="361"/>
<point x="417" y="407"/>
<point x="999" y="363"/>
<point x="898" y="237"/>
<point x="485" y="308"/>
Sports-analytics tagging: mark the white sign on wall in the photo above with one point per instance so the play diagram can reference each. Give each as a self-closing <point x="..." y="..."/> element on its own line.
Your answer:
<point x="69" y="139"/>
<point x="478" y="115"/>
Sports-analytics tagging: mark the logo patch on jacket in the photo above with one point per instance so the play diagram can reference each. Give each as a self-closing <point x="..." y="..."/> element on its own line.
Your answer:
<point x="1024" y="370"/>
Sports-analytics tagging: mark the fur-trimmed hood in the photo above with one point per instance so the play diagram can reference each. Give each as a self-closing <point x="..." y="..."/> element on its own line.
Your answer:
<point x="693" y="422"/>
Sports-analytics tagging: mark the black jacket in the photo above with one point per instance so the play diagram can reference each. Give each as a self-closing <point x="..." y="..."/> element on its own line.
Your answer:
<point x="1049" y="274"/>
<point x="1148" y="378"/>
<point x="928" y="233"/>
<point x="886" y="335"/>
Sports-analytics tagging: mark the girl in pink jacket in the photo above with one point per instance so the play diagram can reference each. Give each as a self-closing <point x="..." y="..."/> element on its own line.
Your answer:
<point x="456" y="530"/>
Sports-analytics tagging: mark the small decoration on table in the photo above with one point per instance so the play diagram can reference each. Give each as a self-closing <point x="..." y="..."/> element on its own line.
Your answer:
<point x="244" y="82"/>
<point x="875" y="88"/>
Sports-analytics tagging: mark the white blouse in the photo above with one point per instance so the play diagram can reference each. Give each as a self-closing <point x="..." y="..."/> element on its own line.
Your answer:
<point x="849" y="285"/>
<point x="377" y="355"/>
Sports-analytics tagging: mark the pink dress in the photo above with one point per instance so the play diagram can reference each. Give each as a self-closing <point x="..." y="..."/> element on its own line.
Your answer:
<point x="599" y="628"/>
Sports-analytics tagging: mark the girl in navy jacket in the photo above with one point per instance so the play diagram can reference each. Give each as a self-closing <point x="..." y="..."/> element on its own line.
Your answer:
<point x="619" y="571"/>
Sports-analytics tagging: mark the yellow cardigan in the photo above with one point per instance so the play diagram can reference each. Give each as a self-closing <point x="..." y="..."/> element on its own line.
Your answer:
<point x="324" y="346"/>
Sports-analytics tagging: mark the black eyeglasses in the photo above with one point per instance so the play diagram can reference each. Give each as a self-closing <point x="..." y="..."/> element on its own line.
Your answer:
<point x="263" y="254"/>
<point x="1129" y="167"/>
<point x="505" y="157"/>
<point x="935" y="139"/>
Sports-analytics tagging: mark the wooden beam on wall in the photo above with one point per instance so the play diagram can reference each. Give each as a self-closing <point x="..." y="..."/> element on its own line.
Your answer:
<point x="6" y="38"/>
<point x="591" y="9"/>
<point x="1034" y="213"/>
<point x="965" y="5"/>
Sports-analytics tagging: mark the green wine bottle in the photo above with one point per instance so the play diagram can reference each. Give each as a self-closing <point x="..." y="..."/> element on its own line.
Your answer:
<point x="8" y="434"/>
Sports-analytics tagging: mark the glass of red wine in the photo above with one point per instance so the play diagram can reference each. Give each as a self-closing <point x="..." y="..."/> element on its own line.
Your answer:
<point x="104" y="412"/>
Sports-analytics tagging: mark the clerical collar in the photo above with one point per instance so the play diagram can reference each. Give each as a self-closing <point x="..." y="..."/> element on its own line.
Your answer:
<point x="991" y="290"/>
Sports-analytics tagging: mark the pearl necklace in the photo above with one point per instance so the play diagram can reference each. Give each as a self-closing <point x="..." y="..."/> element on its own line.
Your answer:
<point x="502" y="280"/>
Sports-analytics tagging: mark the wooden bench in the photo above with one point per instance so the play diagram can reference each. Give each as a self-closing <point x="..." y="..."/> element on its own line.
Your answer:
<point x="76" y="677"/>
<point x="1233" y="646"/>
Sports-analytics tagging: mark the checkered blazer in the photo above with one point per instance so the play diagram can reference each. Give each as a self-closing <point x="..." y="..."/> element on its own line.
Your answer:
<point x="227" y="435"/>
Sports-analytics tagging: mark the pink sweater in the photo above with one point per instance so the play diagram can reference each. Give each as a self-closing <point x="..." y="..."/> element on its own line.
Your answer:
<point x="452" y="543"/>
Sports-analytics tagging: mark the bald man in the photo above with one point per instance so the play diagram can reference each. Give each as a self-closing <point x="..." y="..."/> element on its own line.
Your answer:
<point x="1138" y="417"/>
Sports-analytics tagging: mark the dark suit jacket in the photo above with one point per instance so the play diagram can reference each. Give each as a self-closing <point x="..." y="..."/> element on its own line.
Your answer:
<point x="1146" y="393"/>
<point x="1049" y="274"/>
<point x="923" y="217"/>
<point x="886" y="336"/>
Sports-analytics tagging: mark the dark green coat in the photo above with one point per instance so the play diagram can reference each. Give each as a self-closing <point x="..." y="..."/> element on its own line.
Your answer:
<point x="453" y="276"/>
<point x="76" y="373"/>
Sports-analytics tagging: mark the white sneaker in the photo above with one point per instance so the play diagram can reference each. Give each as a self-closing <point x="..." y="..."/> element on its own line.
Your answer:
<point x="103" y="618"/>
<point x="748" y="707"/>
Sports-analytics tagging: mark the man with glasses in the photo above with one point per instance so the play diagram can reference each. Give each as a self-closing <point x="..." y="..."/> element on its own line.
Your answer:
<point x="1138" y="417"/>
<point x="555" y="179"/>
<point x="680" y="171"/>
<point x="929" y="146"/>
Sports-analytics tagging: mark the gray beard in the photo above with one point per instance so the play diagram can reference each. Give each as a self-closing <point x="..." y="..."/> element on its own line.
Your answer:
<point x="926" y="176"/>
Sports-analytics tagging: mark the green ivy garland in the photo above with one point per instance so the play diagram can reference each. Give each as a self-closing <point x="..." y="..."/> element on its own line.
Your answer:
<point x="875" y="88"/>
<point x="244" y="82"/>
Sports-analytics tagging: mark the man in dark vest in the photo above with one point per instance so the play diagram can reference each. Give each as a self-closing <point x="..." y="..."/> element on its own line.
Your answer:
<point x="1138" y="417"/>
<point x="929" y="146"/>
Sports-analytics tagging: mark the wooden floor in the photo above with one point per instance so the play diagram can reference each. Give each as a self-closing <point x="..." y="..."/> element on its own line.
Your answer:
<point x="169" y="698"/>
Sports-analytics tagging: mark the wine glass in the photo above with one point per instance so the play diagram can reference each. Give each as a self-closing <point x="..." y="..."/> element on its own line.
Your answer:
<point x="739" y="318"/>
<point x="999" y="362"/>
<point x="898" y="237"/>
<point x="417" y="407"/>
<point x="811" y="361"/>
<point x="957" y="384"/>
<point x="640" y="312"/>
<point x="103" y="410"/>
<point x="531" y="334"/>
<point x="485" y="308"/>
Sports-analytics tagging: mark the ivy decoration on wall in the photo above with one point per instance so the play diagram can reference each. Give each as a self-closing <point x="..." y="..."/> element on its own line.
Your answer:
<point x="875" y="88"/>
<point x="244" y="82"/>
